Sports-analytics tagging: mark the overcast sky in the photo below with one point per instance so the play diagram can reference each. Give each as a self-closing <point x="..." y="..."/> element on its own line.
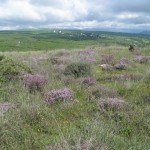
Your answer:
<point x="120" y="14"/>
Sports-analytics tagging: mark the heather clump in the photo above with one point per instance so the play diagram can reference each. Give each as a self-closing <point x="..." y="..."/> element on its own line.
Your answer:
<point x="112" y="104"/>
<point x="89" y="81"/>
<point x="142" y="59"/>
<point x="58" y="95"/>
<point x="78" y="69"/>
<point x="35" y="82"/>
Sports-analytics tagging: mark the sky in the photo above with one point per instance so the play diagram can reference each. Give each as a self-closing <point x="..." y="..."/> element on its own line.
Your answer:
<point x="78" y="14"/>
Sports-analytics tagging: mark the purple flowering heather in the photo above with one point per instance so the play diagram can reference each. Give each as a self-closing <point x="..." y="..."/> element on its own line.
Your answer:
<point x="34" y="81"/>
<point x="58" y="95"/>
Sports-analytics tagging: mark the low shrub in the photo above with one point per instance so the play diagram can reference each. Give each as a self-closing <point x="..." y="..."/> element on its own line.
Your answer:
<point x="2" y="57"/>
<point x="10" y="69"/>
<point x="35" y="82"/>
<point x="78" y="69"/>
<point x="131" y="48"/>
<point x="58" y="95"/>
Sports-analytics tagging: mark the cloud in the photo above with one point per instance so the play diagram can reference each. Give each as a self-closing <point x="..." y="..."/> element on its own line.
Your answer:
<point x="74" y="13"/>
<point x="130" y="6"/>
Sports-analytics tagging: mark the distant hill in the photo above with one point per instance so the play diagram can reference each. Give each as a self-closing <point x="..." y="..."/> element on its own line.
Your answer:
<point x="145" y="32"/>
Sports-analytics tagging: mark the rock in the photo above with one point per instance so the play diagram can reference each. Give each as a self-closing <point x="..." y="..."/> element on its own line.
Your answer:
<point x="106" y="67"/>
<point x="120" y="66"/>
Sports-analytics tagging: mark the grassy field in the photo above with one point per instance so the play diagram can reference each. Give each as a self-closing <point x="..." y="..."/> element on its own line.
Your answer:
<point x="86" y="122"/>
<point x="66" y="39"/>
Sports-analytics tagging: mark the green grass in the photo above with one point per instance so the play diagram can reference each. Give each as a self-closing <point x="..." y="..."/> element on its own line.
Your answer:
<point x="80" y="124"/>
<point x="67" y="39"/>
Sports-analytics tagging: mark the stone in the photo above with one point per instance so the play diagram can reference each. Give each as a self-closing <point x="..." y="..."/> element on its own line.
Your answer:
<point x="106" y="67"/>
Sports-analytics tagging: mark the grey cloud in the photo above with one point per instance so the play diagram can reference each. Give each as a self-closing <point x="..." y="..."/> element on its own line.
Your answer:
<point x="129" y="6"/>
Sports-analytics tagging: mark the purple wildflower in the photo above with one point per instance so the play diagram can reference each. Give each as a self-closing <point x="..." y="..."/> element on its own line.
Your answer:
<point x="58" y="95"/>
